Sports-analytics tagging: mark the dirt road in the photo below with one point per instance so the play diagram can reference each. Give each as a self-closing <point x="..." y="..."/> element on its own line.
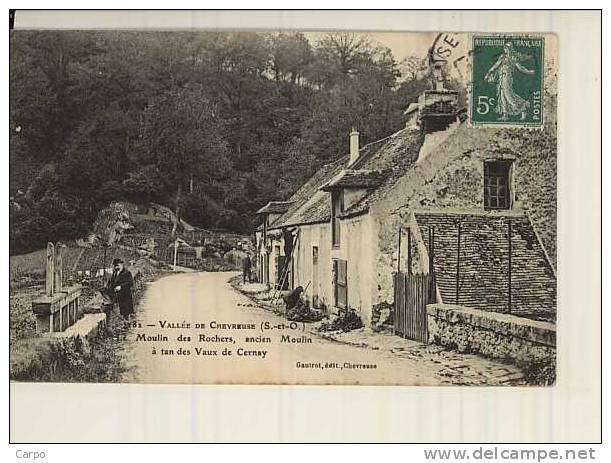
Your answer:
<point x="156" y="353"/>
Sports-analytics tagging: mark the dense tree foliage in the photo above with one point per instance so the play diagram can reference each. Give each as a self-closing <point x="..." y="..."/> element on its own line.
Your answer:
<point x="211" y="124"/>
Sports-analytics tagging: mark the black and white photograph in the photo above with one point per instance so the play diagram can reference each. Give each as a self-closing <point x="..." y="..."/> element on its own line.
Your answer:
<point x="259" y="207"/>
<point x="288" y="206"/>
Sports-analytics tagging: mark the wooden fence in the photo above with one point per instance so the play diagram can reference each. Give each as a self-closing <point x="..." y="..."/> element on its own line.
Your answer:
<point x="412" y="294"/>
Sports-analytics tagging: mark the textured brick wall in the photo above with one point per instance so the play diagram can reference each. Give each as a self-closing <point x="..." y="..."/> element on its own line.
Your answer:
<point x="483" y="279"/>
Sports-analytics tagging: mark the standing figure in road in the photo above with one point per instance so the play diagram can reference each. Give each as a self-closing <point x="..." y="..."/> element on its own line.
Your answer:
<point x="120" y="284"/>
<point x="246" y="268"/>
<point x="508" y="102"/>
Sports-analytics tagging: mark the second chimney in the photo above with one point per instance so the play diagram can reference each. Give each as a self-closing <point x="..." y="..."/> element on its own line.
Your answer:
<point x="354" y="145"/>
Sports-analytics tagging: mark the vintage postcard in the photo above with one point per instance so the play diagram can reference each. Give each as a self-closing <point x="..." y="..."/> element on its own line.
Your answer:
<point x="332" y="208"/>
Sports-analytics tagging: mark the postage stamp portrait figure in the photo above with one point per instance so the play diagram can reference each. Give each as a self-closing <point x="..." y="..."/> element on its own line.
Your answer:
<point x="507" y="80"/>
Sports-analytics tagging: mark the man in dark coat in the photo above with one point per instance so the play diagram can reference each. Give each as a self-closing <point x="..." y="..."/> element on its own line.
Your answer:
<point x="120" y="284"/>
<point x="246" y="269"/>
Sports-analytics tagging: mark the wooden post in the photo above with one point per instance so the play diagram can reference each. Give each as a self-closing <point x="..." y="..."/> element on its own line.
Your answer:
<point x="458" y="265"/>
<point x="399" y="253"/>
<point x="104" y="263"/>
<point x="432" y="296"/>
<point x="434" y="278"/>
<point x="59" y="271"/>
<point x="175" y="252"/>
<point x="409" y="251"/>
<point x="50" y="271"/>
<point x="509" y="266"/>
<point x="431" y="250"/>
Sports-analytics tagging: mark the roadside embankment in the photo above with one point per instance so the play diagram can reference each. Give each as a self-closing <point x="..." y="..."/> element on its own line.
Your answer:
<point x="83" y="353"/>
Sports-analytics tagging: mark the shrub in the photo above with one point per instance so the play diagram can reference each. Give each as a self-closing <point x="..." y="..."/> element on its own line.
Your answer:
<point x="346" y="321"/>
<point x="302" y="313"/>
<point x="540" y="372"/>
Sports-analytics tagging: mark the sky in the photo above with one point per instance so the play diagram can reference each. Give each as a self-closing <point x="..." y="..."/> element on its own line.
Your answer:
<point x="401" y="44"/>
<point x="417" y="44"/>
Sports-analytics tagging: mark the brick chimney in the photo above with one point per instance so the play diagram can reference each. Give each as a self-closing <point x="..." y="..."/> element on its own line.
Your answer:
<point x="354" y="145"/>
<point x="437" y="109"/>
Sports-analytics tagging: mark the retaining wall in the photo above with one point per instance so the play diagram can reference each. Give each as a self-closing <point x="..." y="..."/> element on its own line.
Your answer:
<point x="492" y="334"/>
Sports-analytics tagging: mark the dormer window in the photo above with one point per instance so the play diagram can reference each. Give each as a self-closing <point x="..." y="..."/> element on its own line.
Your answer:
<point x="271" y="212"/>
<point x="497" y="185"/>
<point x="337" y="207"/>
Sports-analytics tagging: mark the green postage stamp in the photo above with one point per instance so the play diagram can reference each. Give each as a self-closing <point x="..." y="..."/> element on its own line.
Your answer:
<point x="507" y="80"/>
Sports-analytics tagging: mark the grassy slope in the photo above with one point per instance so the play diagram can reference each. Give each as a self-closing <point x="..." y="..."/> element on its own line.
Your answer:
<point x="74" y="258"/>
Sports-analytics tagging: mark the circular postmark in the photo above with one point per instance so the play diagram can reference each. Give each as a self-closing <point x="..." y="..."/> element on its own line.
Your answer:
<point x="448" y="58"/>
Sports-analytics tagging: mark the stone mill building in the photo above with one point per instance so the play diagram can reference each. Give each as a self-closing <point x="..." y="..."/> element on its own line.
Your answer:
<point x="475" y="206"/>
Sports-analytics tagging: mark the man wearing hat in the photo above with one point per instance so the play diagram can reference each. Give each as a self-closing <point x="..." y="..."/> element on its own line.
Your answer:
<point x="120" y="284"/>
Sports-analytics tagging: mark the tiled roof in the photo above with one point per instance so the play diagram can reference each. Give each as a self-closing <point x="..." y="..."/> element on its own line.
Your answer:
<point x="309" y="204"/>
<point x="390" y="157"/>
<point x="275" y="207"/>
<point x="350" y="178"/>
<point x="484" y="262"/>
<point x="411" y="108"/>
<point x="393" y="157"/>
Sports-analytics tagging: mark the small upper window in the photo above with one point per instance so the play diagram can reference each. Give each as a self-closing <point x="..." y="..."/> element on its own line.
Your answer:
<point x="337" y="206"/>
<point x="497" y="184"/>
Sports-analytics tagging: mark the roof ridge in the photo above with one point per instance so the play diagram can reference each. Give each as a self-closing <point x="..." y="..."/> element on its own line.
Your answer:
<point x="360" y="160"/>
<point x="315" y="205"/>
<point x="467" y="211"/>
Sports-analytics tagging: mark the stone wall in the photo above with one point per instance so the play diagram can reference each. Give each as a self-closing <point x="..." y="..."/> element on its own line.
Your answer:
<point x="491" y="334"/>
<point x="451" y="176"/>
<point x="456" y="177"/>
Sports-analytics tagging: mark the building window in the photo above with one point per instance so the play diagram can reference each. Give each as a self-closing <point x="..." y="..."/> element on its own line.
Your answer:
<point x="497" y="184"/>
<point x="340" y="280"/>
<point x="337" y="206"/>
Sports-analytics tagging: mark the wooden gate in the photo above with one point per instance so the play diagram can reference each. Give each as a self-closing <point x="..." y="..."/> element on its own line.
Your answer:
<point x="411" y="297"/>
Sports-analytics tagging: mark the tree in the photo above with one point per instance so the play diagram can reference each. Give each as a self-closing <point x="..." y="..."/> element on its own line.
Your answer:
<point x="56" y="59"/>
<point x="99" y="151"/>
<point x="213" y="124"/>
<point x="291" y="56"/>
<point x="183" y="137"/>
<point x="358" y="81"/>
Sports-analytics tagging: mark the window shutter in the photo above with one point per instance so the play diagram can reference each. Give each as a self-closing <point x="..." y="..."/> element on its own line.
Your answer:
<point x="340" y="270"/>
